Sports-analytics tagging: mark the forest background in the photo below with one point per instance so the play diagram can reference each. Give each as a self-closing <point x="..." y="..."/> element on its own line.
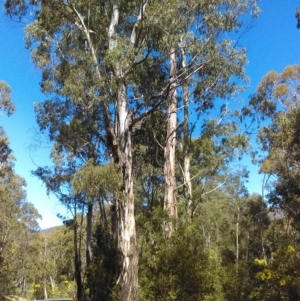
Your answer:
<point x="272" y="43"/>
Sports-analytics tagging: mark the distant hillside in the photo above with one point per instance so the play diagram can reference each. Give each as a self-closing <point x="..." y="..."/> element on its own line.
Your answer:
<point x="49" y="230"/>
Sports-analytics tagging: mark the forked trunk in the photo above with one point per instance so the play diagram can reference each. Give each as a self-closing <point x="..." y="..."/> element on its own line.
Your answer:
<point x="169" y="151"/>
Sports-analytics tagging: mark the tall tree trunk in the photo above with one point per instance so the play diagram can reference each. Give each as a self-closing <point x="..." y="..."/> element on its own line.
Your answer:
<point x="45" y="287"/>
<point x="89" y="219"/>
<point x="89" y="235"/>
<point x="128" y="279"/>
<point x="44" y="274"/>
<point x="237" y="239"/>
<point x="170" y="204"/>
<point x="23" y="288"/>
<point x="77" y="261"/>
<point x="186" y="141"/>
<point x="52" y="283"/>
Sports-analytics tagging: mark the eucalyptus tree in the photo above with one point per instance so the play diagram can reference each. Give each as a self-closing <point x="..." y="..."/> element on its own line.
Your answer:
<point x="277" y="100"/>
<point x="18" y="218"/>
<point x="8" y="107"/>
<point x="58" y="182"/>
<point x="112" y="61"/>
<point x="74" y="129"/>
<point x="124" y="55"/>
<point x="202" y="63"/>
<point x="217" y="59"/>
<point x="11" y="201"/>
<point x="6" y="103"/>
<point x="21" y="261"/>
<point x="51" y="265"/>
<point x="213" y="155"/>
<point x="112" y="69"/>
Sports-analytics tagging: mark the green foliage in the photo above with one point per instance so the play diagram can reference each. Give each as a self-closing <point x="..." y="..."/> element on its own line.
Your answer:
<point x="97" y="180"/>
<point x="166" y="271"/>
<point x="81" y="74"/>
<point x="6" y="104"/>
<point x="18" y="224"/>
<point x="277" y="98"/>
<point x="52" y="264"/>
<point x="105" y="268"/>
<point x="279" y="279"/>
<point x="199" y="261"/>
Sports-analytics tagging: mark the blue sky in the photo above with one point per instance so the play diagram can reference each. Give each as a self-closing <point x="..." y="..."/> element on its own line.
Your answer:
<point x="18" y="71"/>
<point x="273" y="43"/>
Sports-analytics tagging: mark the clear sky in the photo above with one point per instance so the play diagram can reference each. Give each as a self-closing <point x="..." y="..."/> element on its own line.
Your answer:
<point x="273" y="43"/>
<point x="18" y="71"/>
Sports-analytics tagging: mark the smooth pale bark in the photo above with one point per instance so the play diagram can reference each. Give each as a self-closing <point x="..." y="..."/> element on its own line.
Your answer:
<point x="45" y="288"/>
<point x="170" y="204"/>
<point x="128" y="279"/>
<point x="52" y="283"/>
<point x="112" y="31"/>
<point x="186" y="142"/>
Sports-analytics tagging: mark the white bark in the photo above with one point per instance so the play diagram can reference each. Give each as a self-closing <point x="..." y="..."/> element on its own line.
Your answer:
<point x="45" y="288"/>
<point x="128" y="279"/>
<point x="186" y="141"/>
<point x="52" y="283"/>
<point x="139" y="18"/>
<point x="170" y="204"/>
<point x="81" y="25"/>
<point x="112" y="31"/>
